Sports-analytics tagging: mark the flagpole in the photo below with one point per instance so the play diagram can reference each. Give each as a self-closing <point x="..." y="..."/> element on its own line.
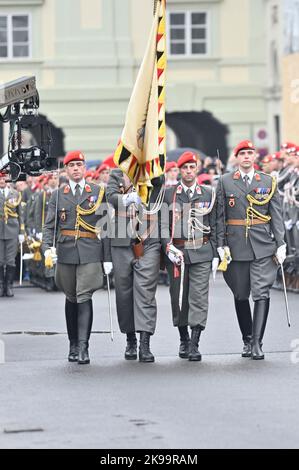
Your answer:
<point x="155" y="6"/>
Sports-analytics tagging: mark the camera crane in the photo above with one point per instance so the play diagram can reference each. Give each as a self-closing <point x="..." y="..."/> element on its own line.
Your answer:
<point x="21" y="100"/>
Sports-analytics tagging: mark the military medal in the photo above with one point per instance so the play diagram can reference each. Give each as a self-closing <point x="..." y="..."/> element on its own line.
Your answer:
<point x="63" y="215"/>
<point x="177" y="215"/>
<point x="91" y="200"/>
<point x="261" y="193"/>
<point x="231" y="201"/>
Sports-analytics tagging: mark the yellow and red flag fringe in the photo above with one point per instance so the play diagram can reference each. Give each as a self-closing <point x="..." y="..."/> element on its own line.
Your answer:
<point x="141" y="152"/>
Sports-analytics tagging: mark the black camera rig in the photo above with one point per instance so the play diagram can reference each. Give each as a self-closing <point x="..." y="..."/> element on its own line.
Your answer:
<point x="21" y="99"/>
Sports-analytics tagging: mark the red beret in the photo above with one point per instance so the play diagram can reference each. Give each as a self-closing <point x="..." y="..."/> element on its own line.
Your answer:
<point x="288" y="145"/>
<point x="187" y="157"/>
<point x="204" y="178"/>
<point x="277" y="156"/>
<point x="267" y="159"/>
<point x="76" y="155"/>
<point x="103" y="167"/>
<point x="88" y="174"/>
<point x="170" y="165"/>
<point x="243" y="145"/>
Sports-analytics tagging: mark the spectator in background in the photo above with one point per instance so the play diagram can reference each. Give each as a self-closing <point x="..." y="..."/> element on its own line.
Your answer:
<point x="102" y="174"/>
<point x="171" y="174"/>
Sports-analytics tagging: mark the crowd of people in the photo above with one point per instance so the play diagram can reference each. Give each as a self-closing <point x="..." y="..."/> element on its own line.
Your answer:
<point x="229" y="215"/>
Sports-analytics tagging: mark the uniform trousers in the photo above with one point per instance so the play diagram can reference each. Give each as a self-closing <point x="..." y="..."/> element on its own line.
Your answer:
<point x="135" y="287"/>
<point x="79" y="281"/>
<point x="195" y="301"/>
<point x="8" y="252"/>
<point x="255" y="276"/>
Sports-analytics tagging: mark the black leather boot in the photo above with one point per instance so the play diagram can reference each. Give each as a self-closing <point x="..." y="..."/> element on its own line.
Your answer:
<point x="185" y="342"/>
<point x="243" y="312"/>
<point x="194" y="354"/>
<point x="260" y="316"/>
<point x="85" y="317"/>
<point x="71" y="317"/>
<point x="131" y="349"/>
<point x="145" y="354"/>
<point x="2" y="280"/>
<point x="9" y="278"/>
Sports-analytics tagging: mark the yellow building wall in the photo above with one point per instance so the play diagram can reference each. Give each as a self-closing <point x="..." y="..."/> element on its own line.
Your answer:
<point x="290" y="112"/>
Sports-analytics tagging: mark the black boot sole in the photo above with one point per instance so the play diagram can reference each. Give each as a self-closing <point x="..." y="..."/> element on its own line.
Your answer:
<point x="194" y="358"/>
<point x="152" y="359"/>
<point x="257" y="358"/>
<point x="131" y="358"/>
<point x="84" y="362"/>
<point x="70" y="359"/>
<point x="245" y="355"/>
<point x="184" y="355"/>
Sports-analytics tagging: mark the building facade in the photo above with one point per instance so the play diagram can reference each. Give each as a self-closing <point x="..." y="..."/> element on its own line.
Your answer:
<point x="86" y="54"/>
<point x="290" y="67"/>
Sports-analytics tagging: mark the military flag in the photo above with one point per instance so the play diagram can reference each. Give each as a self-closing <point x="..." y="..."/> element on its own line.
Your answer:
<point x="141" y="152"/>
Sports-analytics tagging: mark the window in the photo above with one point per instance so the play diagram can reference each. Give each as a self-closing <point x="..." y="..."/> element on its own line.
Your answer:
<point x="188" y="35"/>
<point x="14" y="36"/>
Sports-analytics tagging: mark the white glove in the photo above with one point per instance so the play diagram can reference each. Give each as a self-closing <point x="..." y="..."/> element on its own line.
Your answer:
<point x="21" y="238"/>
<point x="39" y="236"/>
<point x="224" y="251"/>
<point x="108" y="266"/>
<point x="220" y="251"/>
<point x="281" y="253"/>
<point x="51" y="252"/>
<point x="215" y="264"/>
<point x="28" y="256"/>
<point x="297" y="224"/>
<point x="288" y="224"/>
<point x="176" y="256"/>
<point x="131" y="198"/>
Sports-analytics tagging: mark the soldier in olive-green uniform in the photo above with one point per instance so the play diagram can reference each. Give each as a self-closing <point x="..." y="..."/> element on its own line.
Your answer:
<point x="249" y="222"/>
<point x="136" y="275"/>
<point x="11" y="232"/>
<point x="44" y="275"/>
<point x="80" y="212"/>
<point x="189" y="240"/>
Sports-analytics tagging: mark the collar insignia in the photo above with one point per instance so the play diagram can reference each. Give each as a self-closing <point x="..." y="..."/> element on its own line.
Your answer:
<point x="66" y="189"/>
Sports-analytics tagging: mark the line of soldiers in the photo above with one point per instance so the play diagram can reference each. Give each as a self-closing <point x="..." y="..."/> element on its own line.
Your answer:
<point x="238" y="225"/>
<point x="288" y="188"/>
<point x="25" y="225"/>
